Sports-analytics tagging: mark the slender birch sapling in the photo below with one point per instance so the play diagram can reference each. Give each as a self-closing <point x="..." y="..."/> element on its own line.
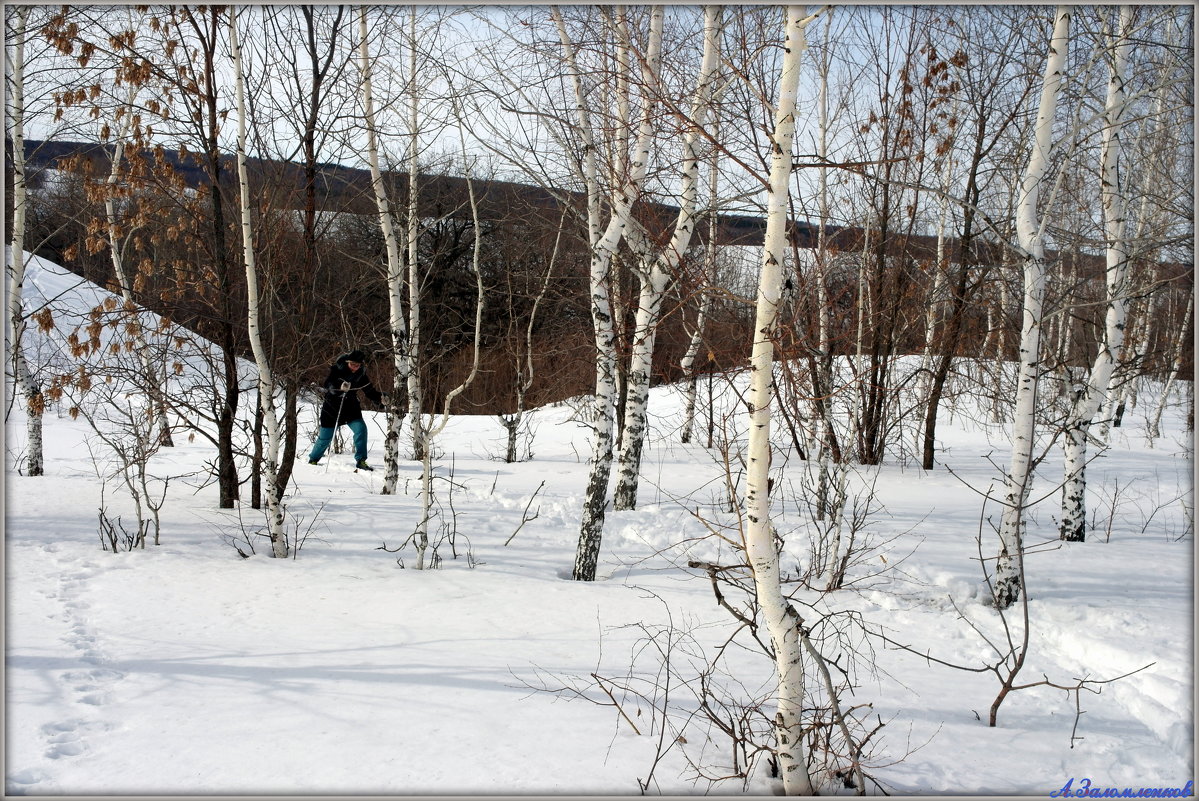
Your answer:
<point x="412" y="235"/>
<point x="25" y="382"/>
<point x="266" y="382"/>
<point x="397" y="325"/>
<point x="1114" y="203"/>
<point x="524" y="361"/>
<point x="1009" y="569"/>
<point x="707" y="281"/>
<point x="154" y="389"/>
<point x="782" y="620"/>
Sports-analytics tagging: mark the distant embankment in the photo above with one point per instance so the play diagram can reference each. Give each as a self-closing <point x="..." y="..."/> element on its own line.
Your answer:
<point x="348" y="189"/>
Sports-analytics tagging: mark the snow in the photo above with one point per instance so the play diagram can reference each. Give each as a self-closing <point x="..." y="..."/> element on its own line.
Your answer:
<point x="186" y="669"/>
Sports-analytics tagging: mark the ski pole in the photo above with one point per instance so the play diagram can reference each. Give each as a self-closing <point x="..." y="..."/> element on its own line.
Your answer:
<point x="336" y="424"/>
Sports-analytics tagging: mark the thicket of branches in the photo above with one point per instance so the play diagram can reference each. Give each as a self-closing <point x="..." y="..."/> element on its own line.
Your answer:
<point x="918" y="166"/>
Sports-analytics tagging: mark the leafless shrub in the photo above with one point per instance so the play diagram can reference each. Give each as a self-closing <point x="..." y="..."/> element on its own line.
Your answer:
<point x="446" y="514"/>
<point x="242" y="535"/>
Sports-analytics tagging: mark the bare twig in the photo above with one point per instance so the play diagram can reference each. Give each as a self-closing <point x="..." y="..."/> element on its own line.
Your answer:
<point x="524" y="516"/>
<point x="600" y="683"/>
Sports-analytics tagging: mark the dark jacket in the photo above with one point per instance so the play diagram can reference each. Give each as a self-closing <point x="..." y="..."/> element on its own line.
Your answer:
<point x="346" y="402"/>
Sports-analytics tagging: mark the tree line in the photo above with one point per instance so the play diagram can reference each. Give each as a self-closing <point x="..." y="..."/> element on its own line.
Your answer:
<point x="575" y="170"/>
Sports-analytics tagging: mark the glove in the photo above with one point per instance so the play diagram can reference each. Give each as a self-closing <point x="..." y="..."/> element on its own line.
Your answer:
<point x="345" y="386"/>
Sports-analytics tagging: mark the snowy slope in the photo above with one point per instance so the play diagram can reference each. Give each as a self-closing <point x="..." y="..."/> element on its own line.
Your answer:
<point x="186" y="669"/>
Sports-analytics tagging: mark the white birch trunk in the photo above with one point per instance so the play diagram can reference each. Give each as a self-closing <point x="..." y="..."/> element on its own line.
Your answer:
<point x="24" y="380"/>
<point x="655" y="280"/>
<point x="415" y="397"/>
<point x="1114" y="202"/>
<point x="859" y="359"/>
<point x="1155" y="422"/>
<point x="986" y="343"/>
<point x="931" y="318"/>
<point x="266" y="383"/>
<point x="1004" y="302"/>
<point x="822" y="305"/>
<point x="619" y="156"/>
<point x="819" y="445"/>
<point x="1063" y="329"/>
<point x="1127" y="372"/>
<point x="1009" y="569"/>
<point x="395" y="270"/>
<point x="603" y="246"/>
<point x="707" y="280"/>
<point x="782" y="621"/>
<point x="1124" y="379"/>
<point x="687" y="365"/>
<point x="836" y="560"/>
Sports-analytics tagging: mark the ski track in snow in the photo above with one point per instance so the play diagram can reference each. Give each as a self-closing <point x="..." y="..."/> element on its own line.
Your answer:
<point x="1150" y="697"/>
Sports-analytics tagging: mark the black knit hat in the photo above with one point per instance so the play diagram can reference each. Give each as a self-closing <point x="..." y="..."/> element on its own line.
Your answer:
<point x="354" y="356"/>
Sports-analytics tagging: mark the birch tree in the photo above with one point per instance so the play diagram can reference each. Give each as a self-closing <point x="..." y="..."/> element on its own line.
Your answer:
<point x="782" y="620"/>
<point x="1149" y="148"/>
<point x="655" y="276"/>
<point x="1164" y="183"/>
<point x="1030" y="234"/>
<point x="707" y="281"/>
<point x="523" y="357"/>
<point x="25" y="383"/>
<point x="603" y="240"/>
<point x="266" y="382"/>
<point x="401" y="357"/>
<point x="412" y="237"/>
<point x="1094" y="392"/>
<point x="299" y="95"/>
<point x="823" y="442"/>
<point x="182" y="50"/>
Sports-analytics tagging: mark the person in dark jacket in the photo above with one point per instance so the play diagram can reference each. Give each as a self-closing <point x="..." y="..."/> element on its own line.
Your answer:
<point x="346" y="377"/>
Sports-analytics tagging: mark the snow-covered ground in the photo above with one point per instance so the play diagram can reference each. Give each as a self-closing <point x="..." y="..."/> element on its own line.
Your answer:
<point x="187" y="669"/>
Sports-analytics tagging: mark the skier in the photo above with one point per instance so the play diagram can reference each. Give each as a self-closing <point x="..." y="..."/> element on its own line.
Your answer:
<point x="346" y="377"/>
